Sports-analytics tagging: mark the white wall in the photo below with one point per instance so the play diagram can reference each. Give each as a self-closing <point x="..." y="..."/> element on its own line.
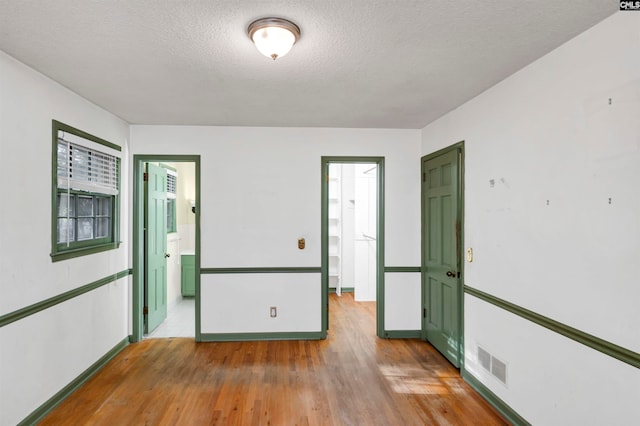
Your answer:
<point x="42" y="353"/>
<point x="261" y="192"/>
<point x="186" y="219"/>
<point x="550" y="133"/>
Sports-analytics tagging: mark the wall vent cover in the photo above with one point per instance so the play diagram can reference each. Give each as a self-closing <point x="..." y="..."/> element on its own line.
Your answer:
<point x="499" y="369"/>
<point x="493" y="365"/>
<point x="484" y="359"/>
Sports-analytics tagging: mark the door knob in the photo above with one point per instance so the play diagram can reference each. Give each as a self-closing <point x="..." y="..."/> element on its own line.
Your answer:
<point x="167" y="255"/>
<point x="451" y="274"/>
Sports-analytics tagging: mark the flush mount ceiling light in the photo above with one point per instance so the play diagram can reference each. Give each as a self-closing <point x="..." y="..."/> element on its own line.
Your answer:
<point x="273" y="37"/>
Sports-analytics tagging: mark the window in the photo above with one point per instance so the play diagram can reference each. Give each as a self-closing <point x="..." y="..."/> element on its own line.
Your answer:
<point x="172" y="181"/>
<point x="85" y="193"/>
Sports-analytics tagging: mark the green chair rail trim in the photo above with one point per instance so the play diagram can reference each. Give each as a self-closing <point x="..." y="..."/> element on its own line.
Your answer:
<point x="618" y="352"/>
<point x="245" y="337"/>
<point x="402" y="334"/>
<point x="39" y="413"/>
<point x="508" y="412"/>
<point x="52" y="301"/>
<point x="259" y="270"/>
<point x="388" y="269"/>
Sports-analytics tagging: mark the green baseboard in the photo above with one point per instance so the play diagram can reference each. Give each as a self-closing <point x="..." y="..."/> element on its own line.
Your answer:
<point x="246" y="337"/>
<point x="394" y="269"/>
<point x="504" y="409"/>
<point x="402" y="334"/>
<point x="39" y="413"/>
<point x="344" y="289"/>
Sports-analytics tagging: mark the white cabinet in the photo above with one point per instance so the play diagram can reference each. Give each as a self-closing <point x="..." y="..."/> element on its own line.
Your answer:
<point x="335" y="228"/>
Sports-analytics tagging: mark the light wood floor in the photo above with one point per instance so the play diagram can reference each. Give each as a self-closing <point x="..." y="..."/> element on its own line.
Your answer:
<point x="351" y="378"/>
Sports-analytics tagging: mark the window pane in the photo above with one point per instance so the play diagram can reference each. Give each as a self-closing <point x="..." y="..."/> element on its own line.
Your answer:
<point x="66" y="205"/>
<point x="63" y="165"/>
<point x="85" y="229"/>
<point x="102" y="227"/>
<point x="66" y="230"/>
<point x="170" y="215"/>
<point x="85" y="206"/>
<point x="103" y="206"/>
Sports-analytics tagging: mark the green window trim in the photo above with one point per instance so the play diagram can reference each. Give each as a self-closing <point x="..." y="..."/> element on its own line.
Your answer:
<point x="67" y="250"/>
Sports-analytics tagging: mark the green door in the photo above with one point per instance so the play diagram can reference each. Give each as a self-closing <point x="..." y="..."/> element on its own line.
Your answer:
<point x="441" y="227"/>
<point x="155" y="247"/>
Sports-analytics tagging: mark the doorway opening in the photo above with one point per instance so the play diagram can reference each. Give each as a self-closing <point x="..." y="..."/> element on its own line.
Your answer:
<point x="166" y="247"/>
<point x="352" y="232"/>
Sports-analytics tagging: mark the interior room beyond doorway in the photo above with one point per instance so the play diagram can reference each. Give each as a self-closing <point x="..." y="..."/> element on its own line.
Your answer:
<point x="178" y="290"/>
<point x="353" y="229"/>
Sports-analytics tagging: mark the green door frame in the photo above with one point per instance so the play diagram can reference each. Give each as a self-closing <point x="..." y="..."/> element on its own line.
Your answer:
<point x="379" y="161"/>
<point x="138" y="238"/>
<point x="459" y="147"/>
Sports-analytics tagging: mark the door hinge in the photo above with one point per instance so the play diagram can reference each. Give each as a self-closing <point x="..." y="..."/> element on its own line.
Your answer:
<point x="145" y="310"/>
<point x="424" y="176"/>
<point x="145" y="177"/>
<point x="424" y="312"/>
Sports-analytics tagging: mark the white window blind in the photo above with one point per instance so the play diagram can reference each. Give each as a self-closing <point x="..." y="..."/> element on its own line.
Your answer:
<point x="86" y="169"/>
<point x="172" y="179"/>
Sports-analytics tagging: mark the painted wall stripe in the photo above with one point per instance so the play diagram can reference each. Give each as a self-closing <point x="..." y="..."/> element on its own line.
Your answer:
<point x="259" y="270"/>
<point x="392" y="269"/>
<point x="618" y="352"/>
<point x="52" y="301"/>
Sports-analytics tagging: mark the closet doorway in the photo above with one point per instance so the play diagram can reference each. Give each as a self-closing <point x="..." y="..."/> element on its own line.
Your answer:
<point x="353" y="240"/>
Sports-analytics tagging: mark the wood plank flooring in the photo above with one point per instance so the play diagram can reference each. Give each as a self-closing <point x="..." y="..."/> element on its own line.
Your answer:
<point x="351" y="378"/>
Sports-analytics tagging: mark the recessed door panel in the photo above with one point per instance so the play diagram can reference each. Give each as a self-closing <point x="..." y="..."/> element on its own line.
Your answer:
<point x="435" y="304"/>
<point x="435" y="249"/>
<point x="447" y="219"/>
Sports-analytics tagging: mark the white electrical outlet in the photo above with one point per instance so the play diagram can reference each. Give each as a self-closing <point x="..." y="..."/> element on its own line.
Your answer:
<point x="273" y="312"/>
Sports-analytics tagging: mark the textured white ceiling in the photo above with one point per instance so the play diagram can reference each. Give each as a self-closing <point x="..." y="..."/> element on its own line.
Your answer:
<point x="359" y="63"/>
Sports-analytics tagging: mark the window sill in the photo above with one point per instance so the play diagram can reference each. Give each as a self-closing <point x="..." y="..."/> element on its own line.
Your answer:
<point x="82" y="251"/>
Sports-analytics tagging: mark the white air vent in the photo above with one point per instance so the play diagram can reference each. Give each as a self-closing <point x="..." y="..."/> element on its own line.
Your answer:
<point x="499" y="369"/>
<point x="172" y="178"/>
<point x="484" y="358"/>
<point x="493" y="365"/>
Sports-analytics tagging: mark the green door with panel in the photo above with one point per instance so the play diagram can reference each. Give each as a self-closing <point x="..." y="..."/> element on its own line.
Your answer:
<point x="441" y="264"/>
<point x="155" y="247"/>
